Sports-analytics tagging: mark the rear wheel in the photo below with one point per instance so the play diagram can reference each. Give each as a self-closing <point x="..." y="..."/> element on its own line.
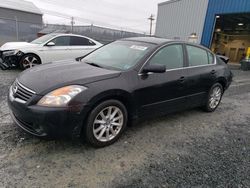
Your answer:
<point x="105" y="123"/>
<point x="29" y="61"/>
<point x="214" y="97"/>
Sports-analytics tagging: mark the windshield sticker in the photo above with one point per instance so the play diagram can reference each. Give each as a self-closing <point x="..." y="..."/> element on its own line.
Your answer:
<point x="142" y="48"/>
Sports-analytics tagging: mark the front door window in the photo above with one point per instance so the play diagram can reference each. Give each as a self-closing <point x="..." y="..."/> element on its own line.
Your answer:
<point x="170" y="56"/>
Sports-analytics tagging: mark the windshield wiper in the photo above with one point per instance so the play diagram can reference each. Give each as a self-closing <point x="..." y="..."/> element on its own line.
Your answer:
<point x="94" y="64"/>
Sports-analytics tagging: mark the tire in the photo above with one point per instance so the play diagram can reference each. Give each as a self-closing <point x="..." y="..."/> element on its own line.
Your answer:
<point x="29" y="61"/>
<point x="105" y="124"/>
<point x="214" y="98"/>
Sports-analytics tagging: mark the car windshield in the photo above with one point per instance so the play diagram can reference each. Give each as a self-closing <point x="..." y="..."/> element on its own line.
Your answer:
<point x="120" y="55"/>
<point x="43" y="39"/>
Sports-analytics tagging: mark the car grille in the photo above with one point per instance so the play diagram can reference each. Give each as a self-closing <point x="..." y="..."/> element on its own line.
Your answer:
<point x="21" y="92"/>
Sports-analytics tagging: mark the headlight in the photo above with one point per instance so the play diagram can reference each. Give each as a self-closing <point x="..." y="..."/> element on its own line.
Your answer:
<point x="61" y="97"/>
<point x="12" y="52"/>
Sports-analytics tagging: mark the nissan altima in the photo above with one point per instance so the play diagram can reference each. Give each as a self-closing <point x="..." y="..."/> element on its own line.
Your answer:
<point x="101" y="93"/>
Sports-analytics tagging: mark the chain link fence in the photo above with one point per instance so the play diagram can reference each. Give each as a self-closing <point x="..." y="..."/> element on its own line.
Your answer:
<point x="101" y="34"/>
<point x="12" y="30"/>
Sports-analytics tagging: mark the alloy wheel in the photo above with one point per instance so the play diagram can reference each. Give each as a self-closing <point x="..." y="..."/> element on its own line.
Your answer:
<point x="215" y="97"/>
<point x="29" y="62"/>
<point x="108" y="123"/>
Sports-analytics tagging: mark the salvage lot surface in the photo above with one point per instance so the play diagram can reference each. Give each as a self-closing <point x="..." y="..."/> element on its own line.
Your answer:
<point x="185" y="149"/>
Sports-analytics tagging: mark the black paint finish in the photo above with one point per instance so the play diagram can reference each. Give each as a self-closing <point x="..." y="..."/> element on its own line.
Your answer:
<point x="144" y="94"/>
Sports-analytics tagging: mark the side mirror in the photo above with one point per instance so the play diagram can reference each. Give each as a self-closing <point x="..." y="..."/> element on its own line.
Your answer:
<point x="156" y="68"/>
<point x="50" y="44"/>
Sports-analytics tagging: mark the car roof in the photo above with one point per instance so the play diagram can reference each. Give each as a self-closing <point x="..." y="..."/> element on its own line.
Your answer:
<point x="161" y="41"/>
<point x="153" y="40"/>
<point x="70" y="34"/>
<point x="65" y="34"/>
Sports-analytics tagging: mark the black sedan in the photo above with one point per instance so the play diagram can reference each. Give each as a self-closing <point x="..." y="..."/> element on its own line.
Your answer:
<point x="100" y="94"/>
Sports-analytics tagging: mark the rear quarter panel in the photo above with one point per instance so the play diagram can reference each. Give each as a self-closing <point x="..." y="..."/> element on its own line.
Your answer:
<point x="224" y="74"/>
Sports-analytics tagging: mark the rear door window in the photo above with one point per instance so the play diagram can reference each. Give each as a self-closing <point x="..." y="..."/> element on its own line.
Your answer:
<point x="210" y="58"/>
<point x="80" y="41"/>
<point x="197" y="56"/>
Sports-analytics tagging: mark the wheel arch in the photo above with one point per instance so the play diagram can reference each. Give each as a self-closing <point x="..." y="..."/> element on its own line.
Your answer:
<point x="31" y="53"/>
<point x="122" y="96"/>
<point x="116" y="94"/>
<point x="223" y="82"/>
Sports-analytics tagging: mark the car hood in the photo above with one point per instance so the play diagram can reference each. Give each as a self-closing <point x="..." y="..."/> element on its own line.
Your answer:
<point x="45" y="78"/>
<point x="16" y="45"/>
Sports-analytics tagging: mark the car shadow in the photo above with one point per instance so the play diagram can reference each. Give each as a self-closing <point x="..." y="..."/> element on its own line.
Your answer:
<point x="20" y="138"/>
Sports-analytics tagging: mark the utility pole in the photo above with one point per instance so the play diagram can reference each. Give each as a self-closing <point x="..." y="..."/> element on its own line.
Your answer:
<point x="121" y="32"/>
<point x="91" y="28"/>
<point x="151" y="19"/>
<point x="17" y="32"/>
<point x="72" y="24"/>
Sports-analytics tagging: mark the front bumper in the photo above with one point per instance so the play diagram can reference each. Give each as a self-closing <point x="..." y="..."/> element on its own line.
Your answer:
<point x="10" y="61"/>
<point x="47" y="122"/>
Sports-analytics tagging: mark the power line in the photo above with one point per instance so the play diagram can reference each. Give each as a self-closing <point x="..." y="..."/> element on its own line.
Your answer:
<point x="84" y="20"/>
<point x="94" y="12"/>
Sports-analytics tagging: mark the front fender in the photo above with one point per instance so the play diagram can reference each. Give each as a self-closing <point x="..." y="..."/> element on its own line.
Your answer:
<point x="32" y="51"/>
<point x="113" y="94"/>
<point x="117" y="94"/>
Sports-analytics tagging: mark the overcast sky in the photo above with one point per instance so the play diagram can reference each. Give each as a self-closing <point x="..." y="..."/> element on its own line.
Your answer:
<point x="128" y="14"/>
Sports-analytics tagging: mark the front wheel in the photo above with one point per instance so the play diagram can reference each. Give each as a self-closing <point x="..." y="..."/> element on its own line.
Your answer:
<point x="29" y="61"/>
<point x="214" y="97"/>
<point x="105" y="123"/>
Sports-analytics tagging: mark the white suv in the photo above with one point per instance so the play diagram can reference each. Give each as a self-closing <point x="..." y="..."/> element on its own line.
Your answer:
<point x="48" y="48"/>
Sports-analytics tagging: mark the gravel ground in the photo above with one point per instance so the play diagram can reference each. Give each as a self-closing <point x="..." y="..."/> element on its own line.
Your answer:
<point x="186" y="149"/>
